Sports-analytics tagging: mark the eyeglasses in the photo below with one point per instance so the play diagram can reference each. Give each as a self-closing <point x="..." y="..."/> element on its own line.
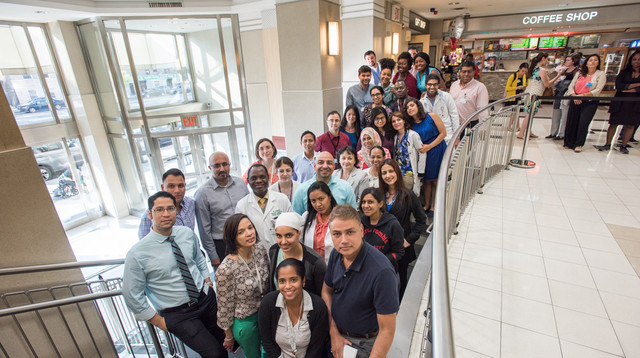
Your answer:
<point x="466" y="71"/>
<point x="432" y="84"/>
<point x="170" y="209"/>
<point x="379" y="119"/>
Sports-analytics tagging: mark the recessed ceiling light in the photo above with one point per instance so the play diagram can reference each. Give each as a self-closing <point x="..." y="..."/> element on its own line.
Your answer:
<point x="41" y="12"/>
<point x="454" y="3"/>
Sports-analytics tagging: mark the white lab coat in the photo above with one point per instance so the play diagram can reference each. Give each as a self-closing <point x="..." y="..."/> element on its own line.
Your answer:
<point x="308" y="237"/>
<point x="264" y="223"/>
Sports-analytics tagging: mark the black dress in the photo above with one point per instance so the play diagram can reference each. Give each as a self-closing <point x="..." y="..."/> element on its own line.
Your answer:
<point x="625" y="113"/>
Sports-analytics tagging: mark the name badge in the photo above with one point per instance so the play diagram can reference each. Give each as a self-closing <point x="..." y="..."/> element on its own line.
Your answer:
<point x="463" y="100"/>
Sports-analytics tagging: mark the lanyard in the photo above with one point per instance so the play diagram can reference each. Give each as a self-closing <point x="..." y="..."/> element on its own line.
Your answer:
<point x="256" y="267"/>
<point x="335" y="145"/>
<point x="280" y="190"/>
<point x="292" y="329"/>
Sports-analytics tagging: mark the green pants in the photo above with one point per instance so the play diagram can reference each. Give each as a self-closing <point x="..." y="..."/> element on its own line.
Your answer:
<point x="246" y="333"/>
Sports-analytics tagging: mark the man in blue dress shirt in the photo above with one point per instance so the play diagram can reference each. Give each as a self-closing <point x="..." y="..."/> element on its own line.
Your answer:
<point x="167" y="268"/>
<point x="173" y="182"/>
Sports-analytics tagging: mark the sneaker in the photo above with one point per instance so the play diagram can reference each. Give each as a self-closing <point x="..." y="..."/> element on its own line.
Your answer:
<point x="633" y="140"/>
<point x="602" y="148"/>
<point x="623" y="149"/>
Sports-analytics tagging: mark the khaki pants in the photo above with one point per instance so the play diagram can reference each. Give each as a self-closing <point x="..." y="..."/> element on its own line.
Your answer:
<point x="408" y="181"/>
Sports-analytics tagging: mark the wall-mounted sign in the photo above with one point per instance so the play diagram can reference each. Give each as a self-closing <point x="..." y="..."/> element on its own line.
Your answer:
<point x="418" y="23"/>
<point x="559" y="17"/>
<point x="396" y="13"/>
<point x="189" y="120"/>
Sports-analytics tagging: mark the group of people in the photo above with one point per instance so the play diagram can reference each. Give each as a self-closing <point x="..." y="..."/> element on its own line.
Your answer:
<point x="582" y="78"/>
<point x="311" y="253"/>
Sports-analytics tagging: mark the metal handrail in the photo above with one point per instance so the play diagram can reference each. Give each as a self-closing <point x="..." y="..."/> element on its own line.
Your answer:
<point x="60" y="266"/>
<point x="431" y="266"/>
<point x="57" y="303"/>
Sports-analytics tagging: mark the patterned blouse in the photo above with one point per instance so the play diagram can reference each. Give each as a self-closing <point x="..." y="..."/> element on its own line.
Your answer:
<point x="402" y="154"/>
<point x="238" y="292"/>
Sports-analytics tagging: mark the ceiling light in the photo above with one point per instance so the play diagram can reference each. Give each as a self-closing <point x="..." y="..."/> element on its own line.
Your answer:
<point x="41" y="12"/>
<point x="454" y="3"/>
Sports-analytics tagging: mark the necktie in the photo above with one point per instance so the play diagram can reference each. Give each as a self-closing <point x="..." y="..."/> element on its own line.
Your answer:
<point x="192" y="290"/>
<point x="262" y="202"/>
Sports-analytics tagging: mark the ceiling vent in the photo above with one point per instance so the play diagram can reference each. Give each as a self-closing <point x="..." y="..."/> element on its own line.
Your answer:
<point x="165" y="4"/>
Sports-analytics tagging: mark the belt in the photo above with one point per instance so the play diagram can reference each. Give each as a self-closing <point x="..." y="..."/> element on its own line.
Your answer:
<point x="356" y="335"/>
<point x="183" y="306"/>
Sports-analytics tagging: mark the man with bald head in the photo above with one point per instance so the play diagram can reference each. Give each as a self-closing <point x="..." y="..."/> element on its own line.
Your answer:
<point x="341" y="190"/>
<point x="216" y="200"/>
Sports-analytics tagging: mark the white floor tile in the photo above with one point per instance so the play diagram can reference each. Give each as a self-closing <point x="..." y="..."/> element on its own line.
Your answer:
<point x="619" y="283"/>
<point x="480" y="275"/>
<point x="577" y="298"/>
<point x="622" y="308"/>
<point x="597" y="242"/>
<point x="526" y="286"/>
<point x="522" y="245"/>
<point x="550" y="220"/>
<point x="524" y="263"/>
<point x="572" y="350"/>
<point x="591" y="226"/>
<point x="482" y="255"/>
<point x="563" y="236"/>
<point x="467" y="353"/>
<point x="528" y="314"/>
<point x="569" y="273"/>
<point x="522" y="343"/>
<point x="608" y="261"/>
<point x="628" y="338"/>
<point x="477" y="300"/>
<point x="476" y="333"/>
<point x="587" y="330"/>
<point x="520" y="229"/>
<point x="561" y="252"/>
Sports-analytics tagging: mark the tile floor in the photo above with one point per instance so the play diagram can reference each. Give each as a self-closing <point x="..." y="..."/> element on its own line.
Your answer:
<point x="546" y="261"/>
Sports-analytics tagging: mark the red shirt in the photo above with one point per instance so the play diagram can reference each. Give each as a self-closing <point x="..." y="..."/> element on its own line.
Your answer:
<point x="412" y="84"/>
<point x="328" y="143"/>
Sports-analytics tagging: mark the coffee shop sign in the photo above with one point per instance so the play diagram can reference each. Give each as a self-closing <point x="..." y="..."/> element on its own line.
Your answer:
<point x="552" y="18"/>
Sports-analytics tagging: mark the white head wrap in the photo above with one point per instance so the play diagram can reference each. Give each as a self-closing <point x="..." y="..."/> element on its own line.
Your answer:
<point x="292" y="220"/>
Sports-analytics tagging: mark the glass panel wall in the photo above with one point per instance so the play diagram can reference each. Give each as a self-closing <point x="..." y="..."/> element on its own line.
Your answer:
<point x="177" y="86"/>
<point x="30" y="78"/>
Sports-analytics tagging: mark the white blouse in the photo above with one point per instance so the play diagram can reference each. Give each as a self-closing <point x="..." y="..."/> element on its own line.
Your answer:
<point x="287" y="334"/>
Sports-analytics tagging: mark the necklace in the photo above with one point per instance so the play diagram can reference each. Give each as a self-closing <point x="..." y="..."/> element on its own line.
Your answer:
<point x="255" y="265"/>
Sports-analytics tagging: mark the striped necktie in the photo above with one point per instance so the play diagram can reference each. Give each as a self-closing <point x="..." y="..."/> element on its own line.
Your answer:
<point x="192" y="290"/>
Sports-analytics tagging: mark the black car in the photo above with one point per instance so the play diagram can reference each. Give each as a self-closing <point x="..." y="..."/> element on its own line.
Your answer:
<point x="39" y="104"/>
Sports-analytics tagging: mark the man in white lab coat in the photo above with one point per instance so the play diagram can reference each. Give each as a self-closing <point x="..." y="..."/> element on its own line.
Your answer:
<point x="262" y="205"/>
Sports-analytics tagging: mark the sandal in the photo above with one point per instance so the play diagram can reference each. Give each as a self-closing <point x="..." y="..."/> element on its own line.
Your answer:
<point x="520" y="137"/>
<point x="533" y="136"/>
<point x="578" y="149"/>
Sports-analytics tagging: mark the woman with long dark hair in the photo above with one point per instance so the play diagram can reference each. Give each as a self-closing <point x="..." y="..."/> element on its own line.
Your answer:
<point x="432" y="132"/>
<point x="403" y="204"/>
<point x="242" y="281"/>
<point x="381" y="229"/>
<point x="351" y="125"/>
<point x="315" y="231"/>
<point x="538" y="81"/>
<point x="561" y="107"/>
<point x="588" y="83"/>
<point x="406" y="145"/>
<point x="516" y="83"/>
<point x="404" y="65"/>
<point x="387" y="65"/>
<point x="421" y="63"/>
<point x="377" y="96"/>
<point x="293" y="322"/>
<point x="382" y="125"/>
<point x="626" y="114"/>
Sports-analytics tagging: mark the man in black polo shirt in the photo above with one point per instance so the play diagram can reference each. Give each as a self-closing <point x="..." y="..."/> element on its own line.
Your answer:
<point x="360" y="290"/>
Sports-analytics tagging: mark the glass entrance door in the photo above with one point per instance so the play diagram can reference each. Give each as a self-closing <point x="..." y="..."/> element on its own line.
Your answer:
<point x="190" y="153"/>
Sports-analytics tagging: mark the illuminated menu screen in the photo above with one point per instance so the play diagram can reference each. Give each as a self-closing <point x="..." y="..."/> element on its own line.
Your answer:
<point x="552" y="43"/>
<point x="525" y="44"/>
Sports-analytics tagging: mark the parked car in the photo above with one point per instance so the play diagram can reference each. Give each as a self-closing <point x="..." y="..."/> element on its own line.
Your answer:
<point x="52" y="158"/>
<point x="155" y="91"/>
<point x="39" y="104"/>
<point x="178" y="89"/>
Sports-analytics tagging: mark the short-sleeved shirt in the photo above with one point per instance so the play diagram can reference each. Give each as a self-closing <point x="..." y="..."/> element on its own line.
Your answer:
<point x="469" y="98"/>
<point x="367" y="288"/>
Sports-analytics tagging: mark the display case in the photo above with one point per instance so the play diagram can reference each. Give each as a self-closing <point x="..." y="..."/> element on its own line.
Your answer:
<point x="613" y="61"/>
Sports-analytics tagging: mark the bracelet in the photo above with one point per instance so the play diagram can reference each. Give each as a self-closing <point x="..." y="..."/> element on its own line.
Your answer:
<point x="228" y="339"/>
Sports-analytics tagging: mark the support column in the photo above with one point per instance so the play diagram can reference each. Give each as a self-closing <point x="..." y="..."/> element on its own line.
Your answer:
<point x="311" y="78"/>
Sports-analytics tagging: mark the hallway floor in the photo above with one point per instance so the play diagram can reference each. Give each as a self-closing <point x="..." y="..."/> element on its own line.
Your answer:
<point x="547" y="261"/>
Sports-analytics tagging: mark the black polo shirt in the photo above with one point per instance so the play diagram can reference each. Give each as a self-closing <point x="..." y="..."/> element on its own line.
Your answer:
<point x="369" y="287"/>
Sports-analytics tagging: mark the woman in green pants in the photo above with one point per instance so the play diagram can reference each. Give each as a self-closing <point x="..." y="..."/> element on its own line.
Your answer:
<point x="242" y="281"/>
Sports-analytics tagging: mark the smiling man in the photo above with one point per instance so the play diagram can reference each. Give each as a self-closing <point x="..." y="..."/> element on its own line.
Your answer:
<point x="341" y="190"/>
<point x="173" y="182"/>
<point x="168" y="269"/>
<point x="359" y="94"/>
<point x="333" y="139"/>
<point x="469" y="94"/>
<point x="360" y="290"/>
<point x="262" y="205"/>
<point x="442" y="104"/>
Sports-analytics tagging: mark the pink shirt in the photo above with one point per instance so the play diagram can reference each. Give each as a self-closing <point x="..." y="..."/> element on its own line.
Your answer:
<point x="469" y="98"/>
<point x="581" y="85"/>
<point x="319" y="235"/>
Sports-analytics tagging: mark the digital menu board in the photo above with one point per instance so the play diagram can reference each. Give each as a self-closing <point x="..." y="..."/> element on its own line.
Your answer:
<point x="525" y="44"/>
<point x="552" y="43"/>
<point x="583" y="41"/>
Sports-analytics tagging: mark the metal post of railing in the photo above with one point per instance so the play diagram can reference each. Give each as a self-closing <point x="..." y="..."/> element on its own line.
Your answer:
<point x="154" y="338"/>
<point x="522" y="162"/>
<point x="487" y="138"/>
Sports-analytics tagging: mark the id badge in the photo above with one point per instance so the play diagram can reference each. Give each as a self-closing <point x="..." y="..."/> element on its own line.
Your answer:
<point x="463" y="100"/>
